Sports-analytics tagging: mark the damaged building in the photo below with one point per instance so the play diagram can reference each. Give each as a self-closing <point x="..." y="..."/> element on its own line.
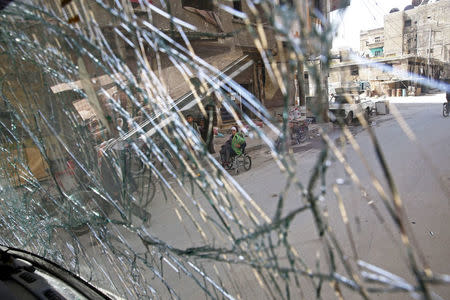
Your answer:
<point x="220" y="39"/>
<point x="415" y="40"/>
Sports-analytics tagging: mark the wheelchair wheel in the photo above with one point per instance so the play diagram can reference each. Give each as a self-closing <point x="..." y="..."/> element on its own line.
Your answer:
<point x="228" y="165"/>
<point x="247" y="162"/>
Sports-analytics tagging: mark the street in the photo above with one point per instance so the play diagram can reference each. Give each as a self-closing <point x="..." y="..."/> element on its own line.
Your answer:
<point x="422" y="179"/>
<point x="113" y="115"/>
<point x="416" y="175"/>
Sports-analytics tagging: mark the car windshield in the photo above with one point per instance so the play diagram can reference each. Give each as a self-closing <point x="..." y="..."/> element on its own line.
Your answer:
<point x="114" y="121"/>
<point x="343" y="99"/>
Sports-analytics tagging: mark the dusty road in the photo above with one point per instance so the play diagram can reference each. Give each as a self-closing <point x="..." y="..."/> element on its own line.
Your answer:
<point x="421" y="173"/>
<point x="422" y="178"/>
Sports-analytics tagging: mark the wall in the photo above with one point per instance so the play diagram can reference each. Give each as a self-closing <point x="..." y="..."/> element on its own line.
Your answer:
<point x="424" y="31"/>
<point x="367" y="39"/>
<point x="433" y="28"/>
<point x="393" y="34"/>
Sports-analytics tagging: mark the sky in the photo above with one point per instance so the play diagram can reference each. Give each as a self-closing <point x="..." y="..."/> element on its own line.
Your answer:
<point x="361" y="15"/>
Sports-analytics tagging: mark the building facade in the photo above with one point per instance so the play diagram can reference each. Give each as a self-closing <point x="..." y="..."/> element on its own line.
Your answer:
<point x="422" y="30"/>
<point x="372" y="42"/>
<point x="222" y="40"/>
<point x="415" y="40"/>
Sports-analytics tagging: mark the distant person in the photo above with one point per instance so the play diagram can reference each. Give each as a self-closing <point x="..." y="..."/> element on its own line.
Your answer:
<point x="233" y="146"/>
<point x="207" y="130"/>
<point x="447" y="95"/>
<point x="192" y="123"/>
<point x="237" y="141"/>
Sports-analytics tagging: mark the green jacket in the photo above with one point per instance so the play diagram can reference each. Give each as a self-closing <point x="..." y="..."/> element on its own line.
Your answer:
<point x="238" y="139"/>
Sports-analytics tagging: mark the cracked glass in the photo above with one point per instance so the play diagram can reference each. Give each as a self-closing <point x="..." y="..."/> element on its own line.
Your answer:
<point x="113" y="114"/>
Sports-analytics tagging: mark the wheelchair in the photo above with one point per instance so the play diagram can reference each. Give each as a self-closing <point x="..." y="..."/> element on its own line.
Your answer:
<point x="237" y="161"/>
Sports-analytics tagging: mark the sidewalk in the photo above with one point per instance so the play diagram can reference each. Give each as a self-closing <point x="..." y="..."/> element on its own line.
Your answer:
<point x="434" y="98"/>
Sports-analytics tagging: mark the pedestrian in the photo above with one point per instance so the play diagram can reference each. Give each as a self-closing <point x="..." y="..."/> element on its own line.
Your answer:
<point x="447" y="96"/>
<point x="192" y="123"/>
<point x="207" y="131"/>
<point x="194" y="126"/>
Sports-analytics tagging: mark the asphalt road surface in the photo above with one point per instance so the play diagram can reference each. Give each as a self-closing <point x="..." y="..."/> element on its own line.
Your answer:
<point x="421" y="172"/>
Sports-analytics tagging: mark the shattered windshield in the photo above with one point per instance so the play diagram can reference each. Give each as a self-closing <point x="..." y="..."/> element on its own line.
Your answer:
<point x="340" y="99"/>
<point x="184" y="149"/>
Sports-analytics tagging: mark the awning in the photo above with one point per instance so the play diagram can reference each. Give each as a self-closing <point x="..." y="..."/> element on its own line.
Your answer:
<point x="188" y="101"/>
<point x="176" y="84"/>
<point x="395" y="81"/>
<point x="175" y="81"/>
<point x="230" y="63"/>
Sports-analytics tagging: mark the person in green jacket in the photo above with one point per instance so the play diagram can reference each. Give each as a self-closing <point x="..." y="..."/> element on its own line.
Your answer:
<point x="232" y="147"/>
<point x="237" y="141"/>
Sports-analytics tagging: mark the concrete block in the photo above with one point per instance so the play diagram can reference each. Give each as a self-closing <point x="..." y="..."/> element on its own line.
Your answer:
<point x="382" y="107"/>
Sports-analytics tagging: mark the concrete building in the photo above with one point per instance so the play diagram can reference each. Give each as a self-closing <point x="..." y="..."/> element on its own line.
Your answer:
<point x="220" y="39"/>
<point x="393" y="81"/>
<point x="415" y="40"/>
<point x="423" y="30"/>
<point x="372" y="42"/>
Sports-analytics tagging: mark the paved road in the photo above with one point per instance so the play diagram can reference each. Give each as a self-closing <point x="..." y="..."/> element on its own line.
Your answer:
<point x="422" y="179"/>
<point x="419" y="178"/>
